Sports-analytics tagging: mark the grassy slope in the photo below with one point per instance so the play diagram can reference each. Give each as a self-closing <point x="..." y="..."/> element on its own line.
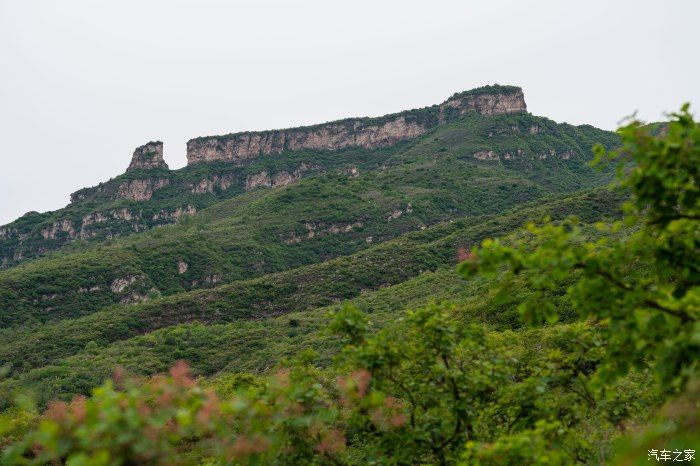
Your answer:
<point x="244" y="237"/>
<point x="243" y="333"/>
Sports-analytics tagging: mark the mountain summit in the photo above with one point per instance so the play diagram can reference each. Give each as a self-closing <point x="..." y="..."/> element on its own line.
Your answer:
<point x="148" y="156"/>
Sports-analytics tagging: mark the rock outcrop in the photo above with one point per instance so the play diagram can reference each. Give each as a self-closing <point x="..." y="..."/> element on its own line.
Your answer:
<point x="213" y="183"/>
<point x="368" y="133"/>
<point x="170" y="216"/>
<point x="148" y="156"/>
<point x="282" y="178"/>
<point x="64" y="226"/>
<point x="140" y="190"/>
<point x="485" y="155"/>
<point x="313" y="230"/>
<point x="399" y="212"/>
<point x="520" y="153"/>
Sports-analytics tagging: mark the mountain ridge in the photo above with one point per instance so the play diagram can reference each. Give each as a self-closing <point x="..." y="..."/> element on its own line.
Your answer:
<point x="140" y="199"/>
<point x="366" y="132"/>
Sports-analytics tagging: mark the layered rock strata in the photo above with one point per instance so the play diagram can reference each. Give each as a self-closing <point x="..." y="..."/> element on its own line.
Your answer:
<point x="368" y="133"/>
<point x="148" y="156"/>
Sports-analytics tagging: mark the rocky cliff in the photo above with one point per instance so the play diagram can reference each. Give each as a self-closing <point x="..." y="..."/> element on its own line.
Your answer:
<point x="148" y="156"/>
<point x="149" y="194"/>
<point x="368" y="133"/>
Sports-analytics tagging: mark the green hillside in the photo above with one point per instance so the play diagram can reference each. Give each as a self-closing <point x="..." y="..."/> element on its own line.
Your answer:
<point x="302" y="289"/>
<point x="369" y="301"/>
<point x="326" y="215"/>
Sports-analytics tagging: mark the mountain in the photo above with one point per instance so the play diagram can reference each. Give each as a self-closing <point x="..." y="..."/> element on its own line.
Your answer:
<point x="221" y="167"/>
<point x="231" y="261"/>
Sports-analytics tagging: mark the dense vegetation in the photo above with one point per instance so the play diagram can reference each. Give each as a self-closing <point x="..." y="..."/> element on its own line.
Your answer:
<point x="554" y="344"/>
<point x="315" y="219"/>
<point x="35" y="350"/>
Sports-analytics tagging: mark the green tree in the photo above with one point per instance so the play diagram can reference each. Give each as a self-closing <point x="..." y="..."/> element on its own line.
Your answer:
<point x="638" y="279"/>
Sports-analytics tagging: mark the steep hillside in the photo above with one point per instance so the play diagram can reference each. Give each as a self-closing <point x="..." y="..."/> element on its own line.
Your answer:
<point x="359" y="198"/>
<point x="278" y="222"/>
<point x="486" y="125"/>
<point x="74" y="354"/>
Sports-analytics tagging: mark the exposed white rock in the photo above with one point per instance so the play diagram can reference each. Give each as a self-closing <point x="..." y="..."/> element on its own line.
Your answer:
<point x="148" y="156"/>
<point x="353" y="172"/>
<point x="282" y="178"/>
<point x="64" y="225"/>
<point x="125" y="214"/>
<point x="399" y="212"/>
<point x="96" y="217"/>
<point x="136" y="297"/>
<point x="7" y="233"/>
<point x="394" y="215"/>
<point x="313" y="231"/>
<point x="176" y="214"/>
<point x="258" y="179"/>
<point x="485" y="155"/>
<point x="140" y="190"/>
<point x="210" y="184"/>
<point x="510" y="155"/>
<point x="119" y="284"/>
<point x="86" y="289"/>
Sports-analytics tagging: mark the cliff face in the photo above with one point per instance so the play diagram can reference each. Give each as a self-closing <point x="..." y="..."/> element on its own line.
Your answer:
<point x="333" y="136"/>
<point x="511" y="100"/>
<point x="368" y="133"/>
<point x="140" y="190"/>
<point x="149" y="195"/>
<point x="148" y="156"/>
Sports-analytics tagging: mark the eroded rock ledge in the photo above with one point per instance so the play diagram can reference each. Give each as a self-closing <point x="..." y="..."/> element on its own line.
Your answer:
<point x="148" y="156"/>
<point x="368" y="133"/>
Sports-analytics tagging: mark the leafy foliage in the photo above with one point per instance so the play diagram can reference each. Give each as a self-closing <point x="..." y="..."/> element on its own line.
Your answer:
<point x="639" y="278"/>
<point x="385" y="400"/>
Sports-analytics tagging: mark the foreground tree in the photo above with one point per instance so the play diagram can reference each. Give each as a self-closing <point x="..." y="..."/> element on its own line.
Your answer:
<point x="637" y="279"/>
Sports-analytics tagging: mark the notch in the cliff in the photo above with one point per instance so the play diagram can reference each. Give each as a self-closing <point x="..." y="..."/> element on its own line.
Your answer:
<point x="148" y="156"/>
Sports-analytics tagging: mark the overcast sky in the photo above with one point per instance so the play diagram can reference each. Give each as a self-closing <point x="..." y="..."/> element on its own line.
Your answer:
<point x="83" y="82"/>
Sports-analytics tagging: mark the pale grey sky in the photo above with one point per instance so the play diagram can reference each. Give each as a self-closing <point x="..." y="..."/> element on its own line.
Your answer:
<point x="83" y="82"/>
